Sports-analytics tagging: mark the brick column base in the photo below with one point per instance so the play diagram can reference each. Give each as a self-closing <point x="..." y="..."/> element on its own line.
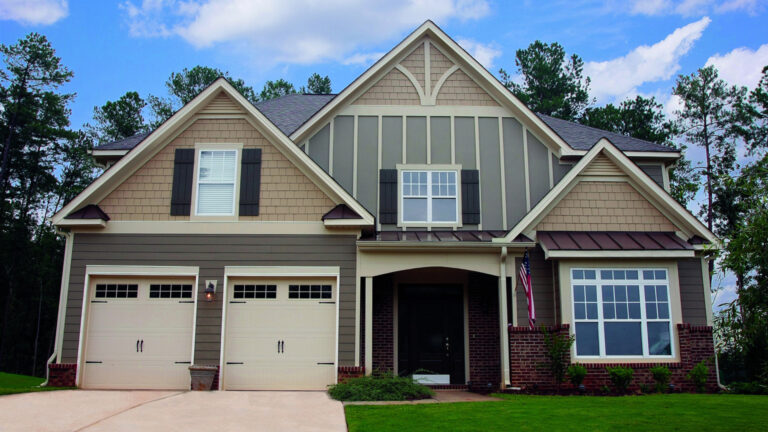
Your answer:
<point x="347" y="372"/>
<point x="62" y="374"/>
<point x="527" y="361"/>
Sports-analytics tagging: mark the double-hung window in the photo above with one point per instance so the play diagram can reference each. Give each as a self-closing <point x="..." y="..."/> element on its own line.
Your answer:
<point x="621" y="312"/>
<point x="429" y="197"/>
<point x="216" y="182"/>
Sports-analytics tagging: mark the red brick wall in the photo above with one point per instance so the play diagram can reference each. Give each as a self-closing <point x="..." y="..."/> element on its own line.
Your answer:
<point x="526" y="358"/>
<point x="383" y="349"/>
<point x="62" y="374"/>
<point x="484" y="350"/>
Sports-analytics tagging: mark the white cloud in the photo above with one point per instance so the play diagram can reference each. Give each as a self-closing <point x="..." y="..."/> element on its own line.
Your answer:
<point x="741" y="66"/>
<point x="621" y="76"/>
<point x="693" y="7"/>
<point x="483" y="53"/>
<point x="362" y="58"/>
<point x="298" y="31"/>
<point x="43" y="12"/>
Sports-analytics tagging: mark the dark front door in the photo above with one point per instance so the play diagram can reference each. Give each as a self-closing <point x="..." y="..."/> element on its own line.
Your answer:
<point x="431" y="330"/>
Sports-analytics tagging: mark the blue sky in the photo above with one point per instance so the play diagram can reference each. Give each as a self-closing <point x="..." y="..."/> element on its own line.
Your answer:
<point x="630" y="47"/>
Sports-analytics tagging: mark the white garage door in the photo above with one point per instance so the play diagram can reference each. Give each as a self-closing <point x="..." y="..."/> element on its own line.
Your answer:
<point x="280" y="334"/>
<point x="139" y="333"/>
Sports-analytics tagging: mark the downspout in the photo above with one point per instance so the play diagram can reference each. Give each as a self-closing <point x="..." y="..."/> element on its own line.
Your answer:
<point x="63" y="293"/>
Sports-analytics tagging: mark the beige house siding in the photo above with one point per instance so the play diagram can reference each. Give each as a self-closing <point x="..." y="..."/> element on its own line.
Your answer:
<point x="286" y="193"/>
<point x="222" y="104"/>
<point x="438" y="64"/>
<point x="415" y="64"/>
<point x="394" y="89"/>
<point x="459" y="89"/>
<point x="605" y="206"/>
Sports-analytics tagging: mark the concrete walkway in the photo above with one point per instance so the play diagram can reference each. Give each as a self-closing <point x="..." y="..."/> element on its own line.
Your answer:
<point x="146" y="411"/>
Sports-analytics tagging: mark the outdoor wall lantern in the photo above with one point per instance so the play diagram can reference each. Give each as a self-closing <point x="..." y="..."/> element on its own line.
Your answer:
<point x="210" y="290"/>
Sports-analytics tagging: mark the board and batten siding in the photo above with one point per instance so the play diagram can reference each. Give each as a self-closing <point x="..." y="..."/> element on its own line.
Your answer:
<point x="211" y="253"/>
<point x="359" y="145"/>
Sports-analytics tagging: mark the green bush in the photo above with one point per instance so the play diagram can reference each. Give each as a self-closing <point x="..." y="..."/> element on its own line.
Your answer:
<point x="576" y="374"/>
<point x="557" y="347"/>
<point x="752" y="388"/>
<point x="661" y="375"/>
<point x="621" y="377"/>
<point x="698" y="376"/>
<point x="379" y="387"/>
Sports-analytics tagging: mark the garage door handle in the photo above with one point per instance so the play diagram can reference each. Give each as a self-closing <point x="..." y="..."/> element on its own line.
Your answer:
<point x="142" y="345"/>
<point x="137" y="345"/>
<point x="282" y="346"/>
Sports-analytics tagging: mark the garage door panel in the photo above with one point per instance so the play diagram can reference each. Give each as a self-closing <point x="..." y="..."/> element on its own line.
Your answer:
<point x="115" y="325"/>
<point x="305" y="326"/>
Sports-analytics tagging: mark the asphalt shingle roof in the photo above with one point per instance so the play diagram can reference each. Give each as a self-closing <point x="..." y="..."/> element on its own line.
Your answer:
<point x="289" y="112"/>
<point x="582" y="137"/>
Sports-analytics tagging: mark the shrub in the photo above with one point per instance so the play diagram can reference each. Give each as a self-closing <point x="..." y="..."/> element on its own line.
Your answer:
<point x="698" y="376"/>
<point x="752" y="388"/>
<point x="621" y="377"/>
<point x="557" y="348"/>
<point x="661" y="375"/>
<point x="576" y="374"/>
<point x="379" y="387"/>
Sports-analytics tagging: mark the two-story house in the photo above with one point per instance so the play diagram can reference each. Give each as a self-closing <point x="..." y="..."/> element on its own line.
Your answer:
<point x="310" y="237"/>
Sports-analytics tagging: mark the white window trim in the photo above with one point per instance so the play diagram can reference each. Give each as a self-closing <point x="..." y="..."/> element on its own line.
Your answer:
<point x="643" y="320"/>
<point x="201" y="147"/>
<point x="428" y="168"/>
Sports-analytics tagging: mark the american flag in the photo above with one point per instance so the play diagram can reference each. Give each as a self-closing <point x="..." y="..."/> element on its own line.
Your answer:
<point x="525" y="280"/>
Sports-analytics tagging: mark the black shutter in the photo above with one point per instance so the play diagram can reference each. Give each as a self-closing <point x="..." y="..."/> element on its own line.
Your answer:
<point x="388" y="196"/>
<point x="470" y="197"/>
<point x="181" y="193"/>
<point x="250" y="182"/>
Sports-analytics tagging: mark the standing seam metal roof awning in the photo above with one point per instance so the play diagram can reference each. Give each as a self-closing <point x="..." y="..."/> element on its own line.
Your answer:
<point x="440" y="236"/>
<point x="611" y="241"/>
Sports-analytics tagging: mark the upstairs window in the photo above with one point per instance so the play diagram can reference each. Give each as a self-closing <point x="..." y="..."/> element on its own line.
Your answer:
<point x="429" y="197"/>
<point x="216" y="182"/>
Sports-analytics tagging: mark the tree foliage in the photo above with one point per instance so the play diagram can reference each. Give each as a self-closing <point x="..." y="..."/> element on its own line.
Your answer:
<point x="552" y="83"/>
<point x="276" y="89"/>
<point x="118" y="119"/>
<point x="317" y="84"/>
<point x="37" y="176"/>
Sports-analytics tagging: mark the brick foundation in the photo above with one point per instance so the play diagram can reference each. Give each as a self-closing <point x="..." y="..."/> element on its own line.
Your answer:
<point x="62" y="374"/>
<point x="527" y="360"/>
<point x="347" y="372"/>
<point x="484" y="353"/>
<point x="383" y="329"/>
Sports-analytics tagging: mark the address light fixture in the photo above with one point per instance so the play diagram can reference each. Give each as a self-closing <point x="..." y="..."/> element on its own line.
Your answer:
<point x="210" y="290"/>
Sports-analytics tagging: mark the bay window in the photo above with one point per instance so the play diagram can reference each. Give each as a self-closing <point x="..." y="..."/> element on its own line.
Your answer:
<point x="621" y="312"/>
<point x="216" y="176"/>
<point x="429" y="197"/>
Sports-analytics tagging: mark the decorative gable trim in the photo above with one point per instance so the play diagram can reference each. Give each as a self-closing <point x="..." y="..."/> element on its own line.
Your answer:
<point x="464" y="62"/>
<point x="676" y="213"/>
<point x="126" y="166"/>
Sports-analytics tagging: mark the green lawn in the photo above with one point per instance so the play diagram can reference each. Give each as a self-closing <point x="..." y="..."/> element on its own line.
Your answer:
<point x="12" y="383"/>
<point x="682" y="412"/>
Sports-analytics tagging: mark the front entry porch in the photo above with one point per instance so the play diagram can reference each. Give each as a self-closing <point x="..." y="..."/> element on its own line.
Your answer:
<point x="436" y="320"/>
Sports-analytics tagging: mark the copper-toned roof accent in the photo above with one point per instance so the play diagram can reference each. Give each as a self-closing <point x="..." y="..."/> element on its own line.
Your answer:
<point x="440" y="236"/>
<point x="612" y="240"/>
<point x="341" y="211"/>
<point x="91" y="211"/>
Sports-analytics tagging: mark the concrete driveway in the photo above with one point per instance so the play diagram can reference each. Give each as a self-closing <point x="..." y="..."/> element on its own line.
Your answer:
<point x="92" y="410"/>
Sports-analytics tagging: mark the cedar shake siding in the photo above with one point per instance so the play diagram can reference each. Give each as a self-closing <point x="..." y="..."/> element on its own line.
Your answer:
<point x="459" y="89"/>
<point x="212" y="253"/>
<point x="286" y="194"/>
<point x="394" y="89"/>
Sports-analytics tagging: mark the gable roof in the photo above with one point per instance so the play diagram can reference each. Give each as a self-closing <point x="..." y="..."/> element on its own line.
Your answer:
<point x="156" y="139"/>
<point x="657" y="196"/>
<point x="582" y="137"/>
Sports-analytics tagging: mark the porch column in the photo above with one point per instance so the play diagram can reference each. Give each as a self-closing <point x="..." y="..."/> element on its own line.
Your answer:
<point x="368" y="325"/>
<point x="503" y="327"/>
